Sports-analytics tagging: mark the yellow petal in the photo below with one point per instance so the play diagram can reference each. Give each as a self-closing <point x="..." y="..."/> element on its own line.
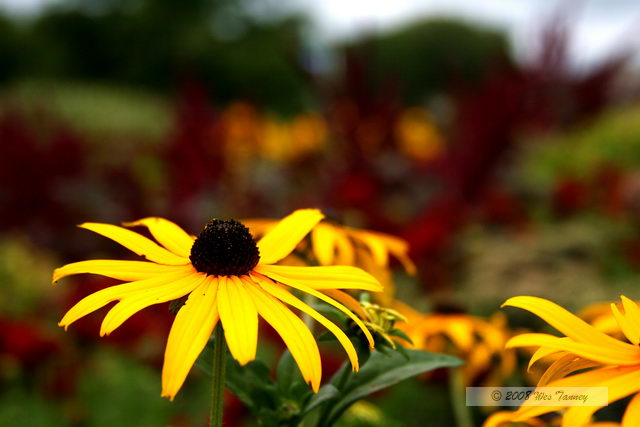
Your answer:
<point x="564" y="366"/>
<point x="189" y="334"/>
<point x="136" y="243"/>
<point x="294" y="283"/>
<point x="400" y="249"/>
<point x="324" y="243"/>
<point x="588" y="351"/>
<point x="116" y="269"/>
<point x="632" y="313"/>
<point x="627" y="329"/>
<point x="460" y="330"/>
<point x="259" y="226"/>
<point x="344" y="247"/>
<point x="103" y="297"/>
<point x="286" y="297"/>
<point x="541" y="353"/>
<point x="294" y="333"/>
<point x="168" y="234"/>
<point x="375" y="245"/>
<point x="282" y="239"/>
<point x="631" y="417"/>
<point x="578" y="415"/>
<point x="619" y="386"/>
<point x="595" y="378"/>
<point x="347" y="300"/>
<point x="133" y="303"/>
<point x="567" y="323"/>
<point x="327" y="277"/>
<point x="239" y="318"/>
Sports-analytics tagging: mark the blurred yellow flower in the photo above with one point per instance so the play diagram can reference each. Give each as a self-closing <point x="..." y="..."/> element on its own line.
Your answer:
<point x="416" y="135"/>
<point x="479" y="342"/>
<point x="227" y="276"/>
<point x="340" y="245"/>
<point x="612" y="363"/>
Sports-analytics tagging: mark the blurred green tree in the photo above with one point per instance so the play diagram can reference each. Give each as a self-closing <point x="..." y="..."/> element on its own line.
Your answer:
<point x="160" y="44"/>
<point x="435" y="55"/>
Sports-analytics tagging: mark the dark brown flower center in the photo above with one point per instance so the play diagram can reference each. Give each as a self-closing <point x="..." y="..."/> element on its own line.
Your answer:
<point x="224" y="248"/>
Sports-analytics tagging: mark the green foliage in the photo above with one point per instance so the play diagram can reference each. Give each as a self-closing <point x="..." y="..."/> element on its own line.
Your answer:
<point x="382" y="371"/>
<point x="289" y="401"/>
<point x="122" y="392"/>
<point x="25" y="274"/>
<point x="158" y="44"/>
<point x="19" y="407"/>
<point x="101" y="112"/>
<point x="613" y="139"/>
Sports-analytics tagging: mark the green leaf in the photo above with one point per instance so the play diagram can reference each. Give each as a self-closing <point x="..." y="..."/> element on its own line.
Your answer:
<point x="400" y="334"/>
<point x="287" y="374"/>
<point x="326" y="392"/>
<point x="382" y="371"/>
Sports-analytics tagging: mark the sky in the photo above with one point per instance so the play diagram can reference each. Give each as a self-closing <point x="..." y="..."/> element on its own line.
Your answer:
<point x="598" y="27"/>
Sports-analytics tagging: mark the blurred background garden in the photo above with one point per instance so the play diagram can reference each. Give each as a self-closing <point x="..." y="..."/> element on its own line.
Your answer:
<point x="500" y="140"/>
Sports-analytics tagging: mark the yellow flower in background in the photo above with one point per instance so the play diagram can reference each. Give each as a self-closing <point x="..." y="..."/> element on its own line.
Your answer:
<point x="339" y="245"/>
<point x="479" y="342"/>
<point x="612" y="363"/>
<point x="417" y="136"/>
<point x="227" y="276"/>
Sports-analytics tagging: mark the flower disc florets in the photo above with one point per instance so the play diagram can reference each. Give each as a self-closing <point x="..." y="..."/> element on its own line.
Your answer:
<point x="224" y="248"/>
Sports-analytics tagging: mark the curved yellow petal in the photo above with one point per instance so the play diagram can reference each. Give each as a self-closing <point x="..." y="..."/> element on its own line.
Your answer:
<point x="239" y="318"/>
<point x="323" y="243"/>
<point x="189" y="334"/>
<point x="375" y="245"/>
<point x="588" y="351"/>
<point x="294" y="333"/>
<point x="567" y="323"/>
<point x="294" y="283"/>
<point x="632" y="313"/>
<point x="541" y="353"/>
<point x="116" y="269"/>
<point x="631" y="417"/>
<point x="133" y="303"/>
<point x="349" y="301"/>
<point x="564" y="366"/>
<point x="345" y="252"/>
<point x="136" y="243"/>
<point x="399" y="248"/>
<point x="103" y="297"/>
<point x="618" y="387"/>
<point x="595" y="378"/>
<point x="326" y="277"/>
<point x="627" y="328"/>
<point x="286" y="297"/>
<point x="282" y="239"/>
<point x="168" y="234"/>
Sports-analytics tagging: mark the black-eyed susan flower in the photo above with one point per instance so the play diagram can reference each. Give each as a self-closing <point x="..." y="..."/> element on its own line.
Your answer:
<point x="227" y="276"/>
<point x="609" y="362"/>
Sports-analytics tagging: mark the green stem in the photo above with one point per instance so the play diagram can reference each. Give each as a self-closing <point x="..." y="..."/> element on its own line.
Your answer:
<point x="458" y="398"/>
<point x="308" y="320"/>
<point x="217" y="377"/>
